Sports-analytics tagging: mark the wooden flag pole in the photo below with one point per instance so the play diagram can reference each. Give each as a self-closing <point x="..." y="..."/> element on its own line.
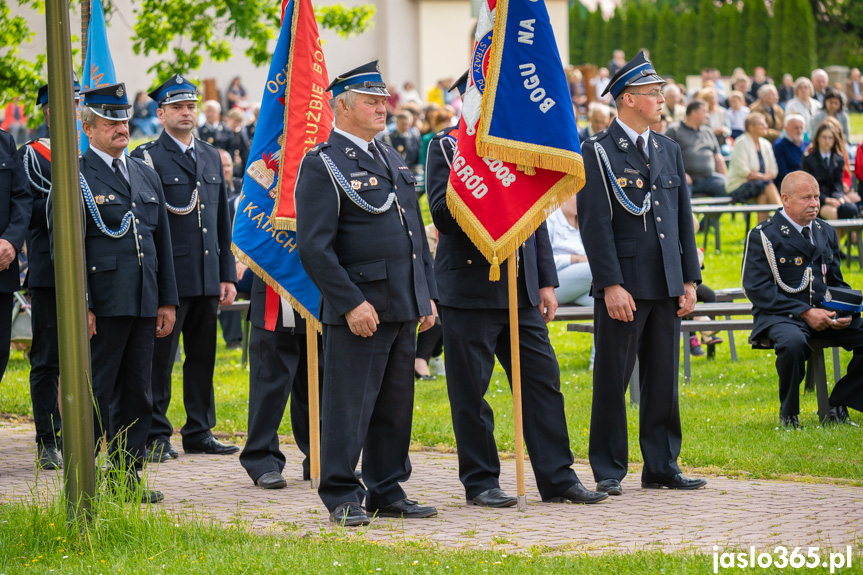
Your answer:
<point x="314" y="407"/>
<point x="516" y="381"/>
<point x="85" y="26"/>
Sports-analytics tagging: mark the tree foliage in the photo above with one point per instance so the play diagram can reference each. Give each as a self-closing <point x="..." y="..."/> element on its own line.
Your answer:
<point x="19" y="76"/>
<point x="721" y="59"/>
<point x="186" y="32"/>
<point x="707" y="21"/>
<point x="594" y="49"/>
<point x="665" y="50"/>
<point x="577" y="31"/>
<point x="776" y="57"/>
<point x="798" y="39"/>
<point x="757" y="21"/>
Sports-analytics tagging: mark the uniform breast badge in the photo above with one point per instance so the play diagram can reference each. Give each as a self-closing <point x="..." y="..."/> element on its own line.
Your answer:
<point x="111" y="197"/>
<point x="373" y="181"/>
<point x="639" y="184"/>
<point x="785" y="231"/>
<point x="100" y="199"/>
<point x="798" y="261"/>
<point x="356" y="184"/>
<point x="621" y="182"/>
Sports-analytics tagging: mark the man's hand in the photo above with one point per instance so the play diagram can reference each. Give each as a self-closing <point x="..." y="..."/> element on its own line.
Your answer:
<point x="91" y="323"/>
<point x="619" y="303"/>
<point x="688" y="180"/>
<point x="547" y="303"/>
<point x="820" y="319"/>
<point x="427" y="321"/>
<point x="227" y="293"/>
<point x="832" y="202"/>
<point x="241" y="269"/>
<point x="363" y="320"/>
<point x="7" y="254"/>
<point x="165" y="319"/>
<point x="686" y="302"/>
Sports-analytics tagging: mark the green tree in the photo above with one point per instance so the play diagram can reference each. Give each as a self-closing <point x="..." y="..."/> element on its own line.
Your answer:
<point x="688" y="36"/>
<point x="629" y="31"/>
<point x="194" y="29"/>
<point x="19" y="77"/>
<point x="757" y="33"/>
<point x="611" y="39"/>
<point x="722" y="40"/>
<point x="840" y="31"/>
<point x="663" y="55"/>
<point x="737" y="40"/>
<point x="593" y="38"/>
<point x="706" y="27"/>
<point x="577" y="32"/>
<point x="798" y="39"/>
<point x="776" y="58"/>
<point x="647" y="29"/>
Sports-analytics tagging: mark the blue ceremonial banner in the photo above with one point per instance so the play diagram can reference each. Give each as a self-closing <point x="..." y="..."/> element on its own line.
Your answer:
<point x="527" y="115"/>
<point x="271" y="252"/>
<point x="98" y="64"/>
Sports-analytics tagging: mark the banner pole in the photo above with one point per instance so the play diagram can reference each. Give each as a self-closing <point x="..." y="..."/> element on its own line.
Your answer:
<point x="314" y="407"/>
<point x="85" y="26"/>
<point x="516" y="381"/>
<point x="74" y="349"/>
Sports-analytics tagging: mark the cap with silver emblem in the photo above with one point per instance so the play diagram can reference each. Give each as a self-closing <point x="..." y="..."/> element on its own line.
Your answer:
<point x="637" y="72"/>
<point x="365" y="79"/>
<point x="109" y="102"/>
<point x="176" y="89"/>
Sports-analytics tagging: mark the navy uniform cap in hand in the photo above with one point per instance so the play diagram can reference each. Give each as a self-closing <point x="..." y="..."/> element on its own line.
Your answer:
<point x="42" y="94"/>
<point x="460" y="84"/>
<point x="637" y="72"/>
<point x="176" y="89"/>
<point x="365" y="79"/>
<point x="109" y="102"/>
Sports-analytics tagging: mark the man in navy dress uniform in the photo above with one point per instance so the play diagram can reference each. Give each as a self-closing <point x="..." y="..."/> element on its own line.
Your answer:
<point x="791" y="261"/>
<point x="44" y="352"/>
<point x="361" y="240"/>
<point x="636" y="222"/>
<point x="15" y="206"/>
<point x="131" y="289"/>
<point x="278" y="368"/>
<point x="197" y="199"/>
<point x="475" y="317"/>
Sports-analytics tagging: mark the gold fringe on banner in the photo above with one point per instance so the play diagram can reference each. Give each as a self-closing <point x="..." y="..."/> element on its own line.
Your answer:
<point x="513" y="151"/>
<point x="281" y="222"/>
<point x="258" y="271"/>
<point x="497" y="251"/>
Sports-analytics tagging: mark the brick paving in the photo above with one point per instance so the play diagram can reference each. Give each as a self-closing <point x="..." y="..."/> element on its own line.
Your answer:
<point x="728" y="513"/>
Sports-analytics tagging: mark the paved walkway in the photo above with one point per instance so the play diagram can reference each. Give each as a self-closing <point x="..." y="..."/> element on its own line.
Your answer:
<point x="728" y="513"/>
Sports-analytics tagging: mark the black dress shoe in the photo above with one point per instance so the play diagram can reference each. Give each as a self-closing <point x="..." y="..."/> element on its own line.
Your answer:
<point x="679" y="481"/>
<point x="494" y="497"/>
<point x="610" y="486"/>
<point x="210" y="445"/>
<point x="789" y="421"/>
<point x="48" y="457"/>
<point x="271" y="480"/>
<point x="420" y="377"/>
<point x="128" y="487"/>
<point x="407" y="508"/>
<point x="349" y="515"/>
<point x="839" y="414"/>
<point x="578" y="493"/>
<point x="159" y="451"/>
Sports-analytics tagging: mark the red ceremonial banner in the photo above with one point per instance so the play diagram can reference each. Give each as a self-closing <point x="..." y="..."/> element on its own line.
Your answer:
<point x="308" y="116"/>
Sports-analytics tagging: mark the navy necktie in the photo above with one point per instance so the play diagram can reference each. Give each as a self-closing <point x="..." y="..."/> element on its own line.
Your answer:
<point x="119" y="171"/>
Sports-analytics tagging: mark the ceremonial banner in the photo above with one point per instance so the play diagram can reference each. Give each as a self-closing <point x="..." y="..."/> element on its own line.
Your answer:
<point x="295" y="115"/>
<point x="98" y="64"/>
<point x="518" y="155"/>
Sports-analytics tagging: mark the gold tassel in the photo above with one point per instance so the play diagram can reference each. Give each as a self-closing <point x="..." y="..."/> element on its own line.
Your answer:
<point x="494" y="270"/>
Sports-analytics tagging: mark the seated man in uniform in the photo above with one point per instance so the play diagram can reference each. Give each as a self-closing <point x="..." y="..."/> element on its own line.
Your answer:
<point x="790" y="262"/>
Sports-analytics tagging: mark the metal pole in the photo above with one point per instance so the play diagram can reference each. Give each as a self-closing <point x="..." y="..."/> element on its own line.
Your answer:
<point x="75" y="396"/>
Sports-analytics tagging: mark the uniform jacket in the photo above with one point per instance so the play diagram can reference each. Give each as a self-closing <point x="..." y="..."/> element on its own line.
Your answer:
<point x="258" y="308"/>
<point x="202" y="255"/>
<point x="117" y="285"/>
<point x="15" y="208"/>
<point x="770" y="303"/>
<point x="40" y="266"/>
<point x="460" y="268"/>
<point x="219" y="137"/>
<point x="352" y="255"/>
<point x="829" y="176"/>
<point x="651" y="264"/>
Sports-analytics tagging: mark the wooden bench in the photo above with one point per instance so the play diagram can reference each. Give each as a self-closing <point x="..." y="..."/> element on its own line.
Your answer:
<point x="816" y="372"/>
